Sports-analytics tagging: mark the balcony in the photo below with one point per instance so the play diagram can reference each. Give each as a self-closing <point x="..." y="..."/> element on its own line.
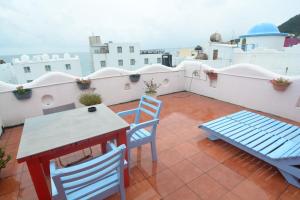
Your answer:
<point x="189" y="165"/>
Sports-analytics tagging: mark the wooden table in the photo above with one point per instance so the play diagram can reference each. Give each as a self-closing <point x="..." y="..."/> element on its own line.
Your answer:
<point x="50" y="136"/>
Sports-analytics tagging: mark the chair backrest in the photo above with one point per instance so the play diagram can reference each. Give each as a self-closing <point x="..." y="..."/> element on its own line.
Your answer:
<point x="61" y="108"/>
<point x="149" y="106"/>
<point x="89" y="172"/>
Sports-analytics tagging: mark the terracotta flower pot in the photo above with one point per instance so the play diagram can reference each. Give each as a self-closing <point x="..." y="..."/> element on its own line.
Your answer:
<point x="279" y="87"/>
<point x="212" y="75"/>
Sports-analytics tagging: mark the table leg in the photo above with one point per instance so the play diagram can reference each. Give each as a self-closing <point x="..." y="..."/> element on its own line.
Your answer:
<point x="46" y="167"/>
<point x="38" y="179"/>
<point x="103" y="147"/>
<point x="122" y="139"/>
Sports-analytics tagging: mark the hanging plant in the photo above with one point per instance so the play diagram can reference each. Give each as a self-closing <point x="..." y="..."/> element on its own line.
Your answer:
<point x="280" y="84"/>
<point x="22" y="94"/>
<point x="134" y="78"/>
<point x="83" y="84"/>
<point x="212" y="75"/>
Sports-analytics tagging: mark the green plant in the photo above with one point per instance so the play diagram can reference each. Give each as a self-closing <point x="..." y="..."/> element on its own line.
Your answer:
<point x="281" y="81"/>
<point x="89" y="99"/>
<point x="20" y="90"/>
<point x="83" y="81"/>
<point x="151" y="87"/>
<point x="3" y="158"/>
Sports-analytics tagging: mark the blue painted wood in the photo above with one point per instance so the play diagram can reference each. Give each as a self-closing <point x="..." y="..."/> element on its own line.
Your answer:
<point x="138" y="134"/>
<point x="273" y="141"/>
<point x="97" y="178"/>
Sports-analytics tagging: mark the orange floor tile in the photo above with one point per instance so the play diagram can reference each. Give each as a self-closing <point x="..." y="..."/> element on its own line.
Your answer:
<point x="189" y="166"/>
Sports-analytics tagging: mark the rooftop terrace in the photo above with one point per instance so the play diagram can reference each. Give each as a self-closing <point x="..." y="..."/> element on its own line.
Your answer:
<point x="189" y="165"/>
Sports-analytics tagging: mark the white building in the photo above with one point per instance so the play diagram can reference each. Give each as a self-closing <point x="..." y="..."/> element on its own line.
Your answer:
<point x="262" y="45"/>
<point x="7" y="73"/>
<point x="121" y="55"/>
<point x="26" y="69"/>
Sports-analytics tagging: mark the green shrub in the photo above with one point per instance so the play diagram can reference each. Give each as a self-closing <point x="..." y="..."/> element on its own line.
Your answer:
<point x="89" y="99"/>
<point x="3" y="158"/>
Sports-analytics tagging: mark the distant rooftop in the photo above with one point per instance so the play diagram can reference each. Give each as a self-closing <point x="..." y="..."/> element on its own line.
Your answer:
<point x="264" y="29"/>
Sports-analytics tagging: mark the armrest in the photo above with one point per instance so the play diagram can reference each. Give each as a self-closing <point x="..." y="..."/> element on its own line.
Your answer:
<point x="143" y="125"/>
<point x="127" y="112"/>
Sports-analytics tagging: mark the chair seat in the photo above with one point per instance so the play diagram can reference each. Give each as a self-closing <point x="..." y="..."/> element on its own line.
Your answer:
<point x="95" y="189"/>
<point x="140" y="135"/>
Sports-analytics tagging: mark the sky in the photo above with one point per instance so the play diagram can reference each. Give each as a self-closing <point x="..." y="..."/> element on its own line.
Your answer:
<point x="48" y="26"/>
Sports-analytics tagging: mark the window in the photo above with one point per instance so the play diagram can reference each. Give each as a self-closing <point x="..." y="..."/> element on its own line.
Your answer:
<point x="103" y="63"/>
<point x="48" y="68"/>
<point x="158" y="60"/>
<point x="28" y="81"/>
<point x="146" y="61"/>
<point x="27" y="69"/>
<point x="119" y="49"/>
<point x="132" y="62"/>
<point x="68" y="66"/>
<point x="215" y="54"/>
<point x="97" y="51"/>
<point x="131" y="49"/>
<point x="103" y="50"/>
<point x="120" y="62"/>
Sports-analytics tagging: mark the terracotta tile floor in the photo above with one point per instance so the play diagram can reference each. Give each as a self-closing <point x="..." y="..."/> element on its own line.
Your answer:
<point x="189" y="166"/>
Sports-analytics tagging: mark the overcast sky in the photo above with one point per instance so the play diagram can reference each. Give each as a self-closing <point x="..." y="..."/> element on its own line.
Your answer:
<point x="36" y="26"/>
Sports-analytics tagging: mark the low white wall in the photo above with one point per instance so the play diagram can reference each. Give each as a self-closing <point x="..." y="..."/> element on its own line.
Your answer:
<point x="246" y="85"/>
<point x="243" y="84"/>
<point x="58" y="89"/>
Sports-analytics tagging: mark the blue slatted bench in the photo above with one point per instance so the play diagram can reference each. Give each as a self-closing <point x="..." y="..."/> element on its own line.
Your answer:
<point x="275" y="142"/>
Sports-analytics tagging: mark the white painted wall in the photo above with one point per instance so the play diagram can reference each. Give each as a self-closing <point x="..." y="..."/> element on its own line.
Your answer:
<point x="244" y="84"/>
<point x="266" y="42"/>
<point x="37" y="66"/>
<point x="111" y="83"/>
<point x="271" y="59"/>
<point x="7" y="73"/>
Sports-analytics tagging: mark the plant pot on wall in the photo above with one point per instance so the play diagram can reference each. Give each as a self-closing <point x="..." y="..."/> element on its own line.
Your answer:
<point x="212" y="75"/>
<point x="280" y="84"/>
<point x="83" y="84"/>
<point x="152" y="94"/>
<point x="134" y="78"/>
<point x="22" y="94"/>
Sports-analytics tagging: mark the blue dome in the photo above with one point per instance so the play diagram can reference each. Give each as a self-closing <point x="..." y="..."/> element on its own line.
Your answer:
<point x="264" y="29"/>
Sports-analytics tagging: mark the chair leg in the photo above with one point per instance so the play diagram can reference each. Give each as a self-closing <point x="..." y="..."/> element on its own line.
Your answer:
<point x="153" y="150"/>
<point x="128" y="159"/>
<point x="290" y="178"/>
<point x="122" y="193"/>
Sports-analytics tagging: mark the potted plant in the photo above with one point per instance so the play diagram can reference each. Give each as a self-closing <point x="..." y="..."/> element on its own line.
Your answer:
<point x="280" y="84"/>
<point x="89" y="99"/>
<point x="4" y="159"/>
<point x="151" y="88"/>
<point x="212" y="75"/>
<point x="22" y="93"/>
<point x="134" y="78"/>
<point x="83" y="84"/>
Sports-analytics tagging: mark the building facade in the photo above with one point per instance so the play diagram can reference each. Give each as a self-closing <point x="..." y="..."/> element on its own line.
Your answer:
<point x="121" y="55"/>
<point x="26" y="69"/>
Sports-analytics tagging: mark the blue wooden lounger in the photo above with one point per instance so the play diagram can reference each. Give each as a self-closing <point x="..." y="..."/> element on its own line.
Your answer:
<point x="273" y="141"/>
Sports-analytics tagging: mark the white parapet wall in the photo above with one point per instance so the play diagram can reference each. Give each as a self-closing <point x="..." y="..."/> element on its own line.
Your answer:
<point x="245" y="85"/>
<point x="56" y="89"/>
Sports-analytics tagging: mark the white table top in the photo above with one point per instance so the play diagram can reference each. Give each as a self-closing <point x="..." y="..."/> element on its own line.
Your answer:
<point x="47" y="132"/>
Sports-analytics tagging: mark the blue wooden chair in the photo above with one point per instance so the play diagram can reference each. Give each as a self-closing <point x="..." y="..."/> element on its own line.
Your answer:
<point x="273" y="141"/>
<point x="138" y="134"/>
<point x="97" y="178"/>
